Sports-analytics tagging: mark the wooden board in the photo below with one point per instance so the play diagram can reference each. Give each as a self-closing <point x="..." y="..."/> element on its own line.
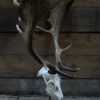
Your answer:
<point x="23" y="66"/>
<point x="8" y="20"/>
<point x="37" y="87"/>
<point x="18" y="70"/>
<point x="86" y="3"/>
<point x="16" y="62"/>
<point x="78" y="19"/>
<point x="77" y="3"/>
<point x="31" y="97"/>
<point x="83" y="44"/>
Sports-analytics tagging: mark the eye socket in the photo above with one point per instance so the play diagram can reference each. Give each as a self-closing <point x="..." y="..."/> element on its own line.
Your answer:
<point x="51" y="85"/>
<point x="57" y="88"/>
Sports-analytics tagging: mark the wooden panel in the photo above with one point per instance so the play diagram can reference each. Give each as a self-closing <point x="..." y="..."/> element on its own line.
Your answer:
<point x="37" y="87"/>
<point x="5" y="97"/>
<point x="77" y="3"/>
<point x="15" y="60"/>
<point x="86" y="3"/>
<point x="82" y="20"/>
<point x="83" y="44"/>
<point x="23" y="66"/>
<point x="6" y="3"/>
<point x="77" y="20"/>
<point x="17" y="66"/>
<point x="12" y="44"/>
<point x="10" y="97"/>
<point x="8" y="19"/>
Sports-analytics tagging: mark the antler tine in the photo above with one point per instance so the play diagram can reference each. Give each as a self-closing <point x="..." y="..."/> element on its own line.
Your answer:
<point x="54" y="70"/>
<point x="55" y="31"/>
<point x="28" y="29"/>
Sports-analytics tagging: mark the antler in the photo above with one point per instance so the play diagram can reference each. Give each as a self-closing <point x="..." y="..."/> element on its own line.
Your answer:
<point x="55" y="19"/>
<point x="28" y="20"/>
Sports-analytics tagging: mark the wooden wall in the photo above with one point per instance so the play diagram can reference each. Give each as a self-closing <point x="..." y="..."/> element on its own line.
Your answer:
<point x="81" y="26"/>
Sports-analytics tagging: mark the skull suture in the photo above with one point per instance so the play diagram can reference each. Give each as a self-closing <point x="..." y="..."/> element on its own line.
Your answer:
<point x="52" y="81"/>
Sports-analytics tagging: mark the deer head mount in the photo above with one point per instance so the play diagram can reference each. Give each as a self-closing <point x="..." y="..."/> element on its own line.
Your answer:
<point x="30" y="11"/>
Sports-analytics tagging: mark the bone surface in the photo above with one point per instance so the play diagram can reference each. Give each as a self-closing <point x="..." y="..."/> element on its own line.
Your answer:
<point x="52" y="81"/>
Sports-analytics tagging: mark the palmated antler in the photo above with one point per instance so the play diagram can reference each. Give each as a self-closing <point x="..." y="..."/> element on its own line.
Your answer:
<point x="29" y="15"/>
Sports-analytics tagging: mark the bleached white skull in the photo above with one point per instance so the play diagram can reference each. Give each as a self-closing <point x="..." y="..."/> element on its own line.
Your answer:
<point x="53" y="87"/>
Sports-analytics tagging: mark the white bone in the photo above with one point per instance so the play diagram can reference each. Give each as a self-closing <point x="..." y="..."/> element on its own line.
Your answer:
<point x="19" y="30"/>
<point x="19" y="19"/>
<point x="52" y="81"/>
<point x="16" y="3"/>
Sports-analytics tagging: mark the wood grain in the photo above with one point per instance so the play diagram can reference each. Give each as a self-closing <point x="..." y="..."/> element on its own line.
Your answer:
<point x="15" y="60"/>
<point x="77" y="3"/>
<point x="18" y="70"/>
<point x="37" y="87"/>
<point x="31" y="97"/>
<point x="83" y="44"/>
<point x="78" y="19"/>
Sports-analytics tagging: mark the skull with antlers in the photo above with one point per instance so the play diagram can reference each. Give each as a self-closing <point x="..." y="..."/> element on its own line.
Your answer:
<point x="30" y="11"/>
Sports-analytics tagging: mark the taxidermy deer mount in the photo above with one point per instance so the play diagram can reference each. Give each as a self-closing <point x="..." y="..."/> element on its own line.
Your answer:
<point x="30" y="11"/>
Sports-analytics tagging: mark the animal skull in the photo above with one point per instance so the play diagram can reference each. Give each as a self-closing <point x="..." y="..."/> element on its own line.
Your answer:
<point x="30" y="12"/>
<point x="52" y="81"/>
